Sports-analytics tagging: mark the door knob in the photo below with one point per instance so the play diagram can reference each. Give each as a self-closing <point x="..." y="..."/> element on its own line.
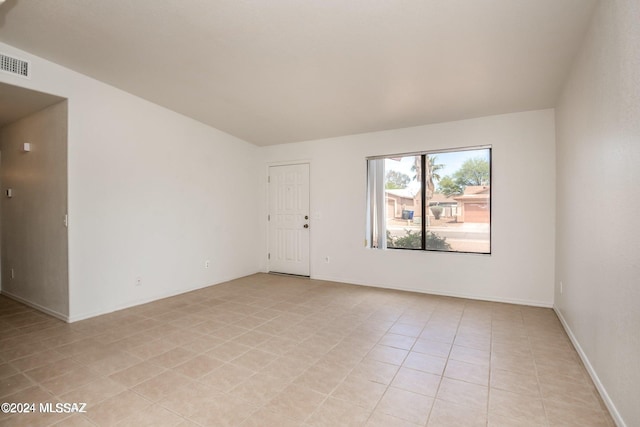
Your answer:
<point x="306" y="217"/>
<point x="306" y="226"/>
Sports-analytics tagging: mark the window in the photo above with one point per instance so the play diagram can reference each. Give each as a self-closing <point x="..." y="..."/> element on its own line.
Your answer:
<point x="435" y="201"/>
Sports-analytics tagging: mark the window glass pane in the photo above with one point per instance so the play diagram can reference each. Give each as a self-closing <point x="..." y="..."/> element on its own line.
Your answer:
<point x="403" y="202"/>
<point x="444" y="195"/>
<point x="459" y="200"/>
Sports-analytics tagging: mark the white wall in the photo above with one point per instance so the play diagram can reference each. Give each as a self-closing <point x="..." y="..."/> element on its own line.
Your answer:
<point x="151" y="193"/>
<point x="598" y="249"/>
<point x="521" y="267"/>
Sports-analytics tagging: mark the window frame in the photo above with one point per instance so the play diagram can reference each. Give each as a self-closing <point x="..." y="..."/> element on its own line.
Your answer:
<point x="424" y="155"/>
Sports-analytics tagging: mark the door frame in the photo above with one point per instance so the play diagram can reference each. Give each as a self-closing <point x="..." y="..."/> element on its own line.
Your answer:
<point x="267" y="204"/>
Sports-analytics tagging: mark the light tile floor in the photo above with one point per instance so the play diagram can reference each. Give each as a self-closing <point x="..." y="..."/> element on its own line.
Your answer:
<point x="268" y="350"/>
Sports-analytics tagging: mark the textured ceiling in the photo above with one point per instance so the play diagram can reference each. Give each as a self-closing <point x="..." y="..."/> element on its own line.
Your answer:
<point x="282" y="71"/>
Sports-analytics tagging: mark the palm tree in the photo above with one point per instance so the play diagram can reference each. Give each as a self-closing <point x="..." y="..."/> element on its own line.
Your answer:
<point x="432" y="174"/>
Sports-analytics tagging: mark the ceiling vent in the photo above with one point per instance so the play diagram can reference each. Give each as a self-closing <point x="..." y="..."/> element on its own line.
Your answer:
<point x="15" y="66"/>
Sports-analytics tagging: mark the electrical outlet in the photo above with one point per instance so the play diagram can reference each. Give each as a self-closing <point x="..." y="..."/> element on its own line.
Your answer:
<point x="13" y="274"/>
<point x="207" y="264"/>
<point x="561" y="288"/>
<point x="138" y="281"/>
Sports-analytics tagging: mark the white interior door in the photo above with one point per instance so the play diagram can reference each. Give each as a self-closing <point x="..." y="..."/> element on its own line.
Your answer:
<point x="289" y="219"/>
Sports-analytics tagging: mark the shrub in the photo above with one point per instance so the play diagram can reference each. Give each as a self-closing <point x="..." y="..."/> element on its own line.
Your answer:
<point x="413" y="240"/>
<point x="410" y="240"/>
<point x="437" y="211"/>
<point x="436" y="242"/>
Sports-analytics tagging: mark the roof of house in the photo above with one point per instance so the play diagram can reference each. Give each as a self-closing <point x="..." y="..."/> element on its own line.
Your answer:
<point x="401" y="192"/>
<point x="475" y="192"/>
<point x="441" y="198"/>
<point x="476" y="189"/>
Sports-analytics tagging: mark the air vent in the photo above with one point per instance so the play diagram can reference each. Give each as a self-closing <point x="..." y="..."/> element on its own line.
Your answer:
<point x="11" y="65"/>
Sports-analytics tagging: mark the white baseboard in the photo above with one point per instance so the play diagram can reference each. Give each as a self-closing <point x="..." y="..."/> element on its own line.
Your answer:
<point x="440" y="293"/>
<point x="156" y="297"/>
<point x="617" y="418"/>
<point x="37" y="306"/>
